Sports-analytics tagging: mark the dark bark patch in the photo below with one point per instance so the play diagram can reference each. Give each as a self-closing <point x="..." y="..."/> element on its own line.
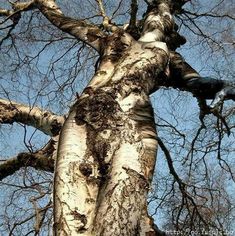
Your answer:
<point x="139" y="180"/>
<point x="89" y="91"/>
<point x="142" y="79"/>
<point x="151" y="233"/>
<point x="55" y="127"/>
<point x="142" y="112"/>
<point x="99" y="111"/>
<point x="114" y="47"/>
<point x="82" y="218"/>
<point x="91" y="180"/>
<point x="174" y="40"/>
<point x="85" y="169"/>
<point x="92" y="34"/>
<point x="99" y="149"/>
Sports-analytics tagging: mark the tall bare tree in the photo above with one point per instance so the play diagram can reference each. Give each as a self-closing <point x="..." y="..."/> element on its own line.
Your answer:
<point x="103" y="151"/>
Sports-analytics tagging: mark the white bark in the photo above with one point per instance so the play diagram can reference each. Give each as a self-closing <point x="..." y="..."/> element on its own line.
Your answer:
<point x="80" y="29"/>
<point x="74" y="195"/>
<point x="45" y="121"/>
<point x="107" y="147"/>
<point x="108" y="144"/>
<point x="157" y="23"/>
<point x="115" y="132"/>
<point x="122" y="200"/>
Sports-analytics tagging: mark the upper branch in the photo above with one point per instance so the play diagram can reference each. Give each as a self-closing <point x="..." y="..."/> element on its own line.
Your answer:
<point x="157" y="22"/>
<point x="133" y="13"/>
<point x="14" y="15"/>
<point x="45" y="121"/>
<point x="107" y="24"/>
<point x="184" y="77"/>
<point x="80" y="29"/>
<point x="132" y="28"/>
<point x="17" y="7"/>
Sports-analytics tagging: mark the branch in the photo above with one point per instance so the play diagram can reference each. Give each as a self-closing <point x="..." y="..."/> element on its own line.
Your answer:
<point x="17" y="7"/>
<point x="184" y="77"/>
<point x="132" y="27"/>
<point x="133" y="13"/>
<point x="40" y="160"/>
<point x="158" y="21"/>
<point x="4" y="12"/>
<point x="175" y="5"/>
<point x="182" y="185"/>
<point x="14" y="15"/>
<point x="45" y="121"/>
<point x="170" y="164"/>
<point x="206" y="110"/>
<point x="208" y="14"/>
<point x="80" y="29"/>
<point x="106" y="20"/>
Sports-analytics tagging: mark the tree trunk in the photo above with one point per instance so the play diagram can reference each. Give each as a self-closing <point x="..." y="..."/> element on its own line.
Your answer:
<point x="108" y="145"/>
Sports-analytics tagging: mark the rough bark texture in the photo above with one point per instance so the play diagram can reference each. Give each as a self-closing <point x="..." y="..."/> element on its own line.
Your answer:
<point x="107" y="146"/>
<point x="42" y="159"/>
<point x="112" y="147"/>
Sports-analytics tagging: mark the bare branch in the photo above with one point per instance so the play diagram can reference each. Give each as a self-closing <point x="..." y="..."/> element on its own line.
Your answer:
<point x="14" y="15"/>
<point x="134" y="27"/>
<point x="170" y="164"/>
<point x="158" y="21"/>
<point x="206" y="110"/>
<point x="184" y="77"/>
<point x="187" y="198"/>
<point x="106" y="20"/>
<point x="17" y="8"/>
<point x="4" y="12"/>
<point x="134" y="9"/>
<point x="45" y="121"/>
<point x="40" y="160"/>
<point x="208" y="14"/>
<point x="159" y="24"/>
<point x="176" y="5"/>
<point x="80" y="29"/>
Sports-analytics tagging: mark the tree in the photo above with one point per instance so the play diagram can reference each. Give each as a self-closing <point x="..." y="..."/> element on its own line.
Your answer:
<point x="105" y="148"/>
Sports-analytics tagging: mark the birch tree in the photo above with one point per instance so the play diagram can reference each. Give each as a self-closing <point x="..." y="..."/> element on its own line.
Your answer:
<point x="102" y="152"/>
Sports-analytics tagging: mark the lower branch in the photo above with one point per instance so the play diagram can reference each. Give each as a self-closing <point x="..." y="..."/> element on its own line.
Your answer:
<point x="40" y="160"/>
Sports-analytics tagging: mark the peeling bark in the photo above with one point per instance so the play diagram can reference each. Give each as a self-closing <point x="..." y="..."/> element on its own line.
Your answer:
<point x="107" y="146"/>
